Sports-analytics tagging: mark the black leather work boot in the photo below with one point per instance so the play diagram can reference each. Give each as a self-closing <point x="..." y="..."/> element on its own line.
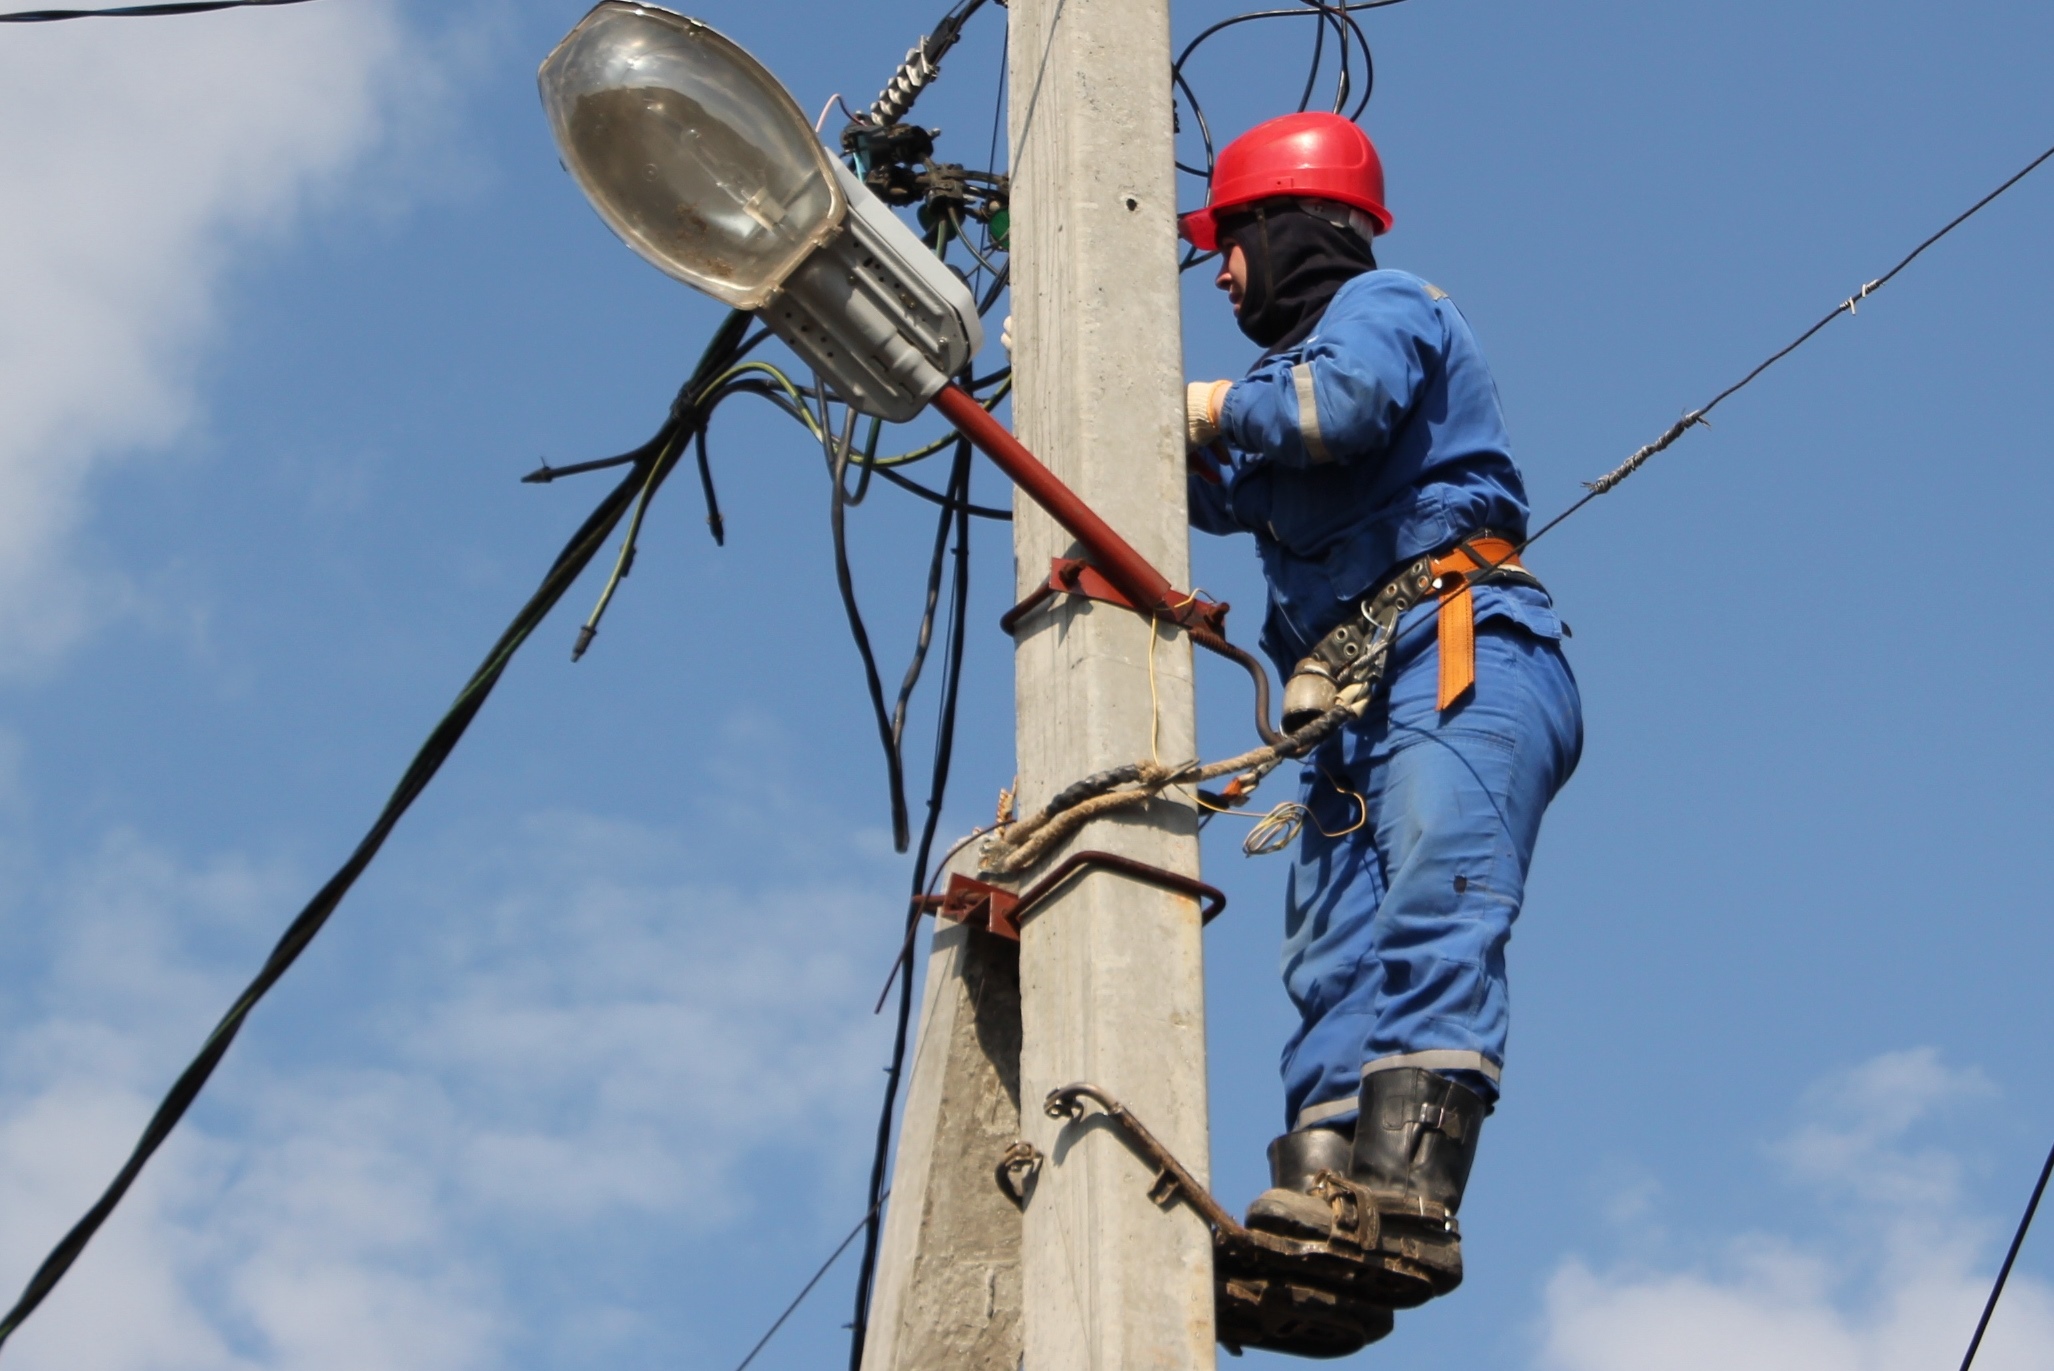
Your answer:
<point x="1379" y="1206"/>
<point x="1417" y="1136"/>
<point x="1288" y="1292"/>
<point x="1415" y="1142"/>
<point x="1295" y="1162"/>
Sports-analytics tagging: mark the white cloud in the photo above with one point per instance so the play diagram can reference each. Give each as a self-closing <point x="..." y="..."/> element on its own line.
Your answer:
<point x="139" y="158"/>
<point x="601" y="1015"/>
<point x="578" y="1037"/>
<point x="1898" y="1287"/>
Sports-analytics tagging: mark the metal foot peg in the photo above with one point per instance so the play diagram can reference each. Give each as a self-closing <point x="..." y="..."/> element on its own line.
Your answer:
<point x="1304" y="1299"/>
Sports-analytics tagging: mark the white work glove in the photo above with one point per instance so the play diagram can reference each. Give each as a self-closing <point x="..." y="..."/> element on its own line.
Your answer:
<point x="1005" y="335"/>
<point x="1202" y="401"/>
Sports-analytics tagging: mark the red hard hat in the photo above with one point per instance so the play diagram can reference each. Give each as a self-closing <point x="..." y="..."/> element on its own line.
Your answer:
<point x="1313" y="156"/>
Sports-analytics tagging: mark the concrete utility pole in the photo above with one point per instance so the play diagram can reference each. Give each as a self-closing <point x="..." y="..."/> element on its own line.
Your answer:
<point x="1107" y="984"/>
<point x="1111" y="972"/>
<point x="947" y="1294"/>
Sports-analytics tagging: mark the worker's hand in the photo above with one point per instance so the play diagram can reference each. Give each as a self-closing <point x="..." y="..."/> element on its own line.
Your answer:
<point x="1202" y="401"/>
<point x="1005" y="335"/>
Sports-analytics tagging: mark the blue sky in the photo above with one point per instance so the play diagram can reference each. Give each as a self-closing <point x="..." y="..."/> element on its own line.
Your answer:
<point x="584" y="1070"/>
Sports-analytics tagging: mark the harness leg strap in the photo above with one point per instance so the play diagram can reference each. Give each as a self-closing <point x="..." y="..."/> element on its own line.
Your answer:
<point x="1458" y="609"/>
<point x="1458" y="643"/>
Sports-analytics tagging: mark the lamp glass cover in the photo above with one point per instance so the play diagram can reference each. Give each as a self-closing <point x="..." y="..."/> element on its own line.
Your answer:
<point x="690" y="150"/>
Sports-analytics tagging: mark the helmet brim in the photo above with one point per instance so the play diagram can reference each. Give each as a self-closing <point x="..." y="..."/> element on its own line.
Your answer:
<point x="1200" y="229"/>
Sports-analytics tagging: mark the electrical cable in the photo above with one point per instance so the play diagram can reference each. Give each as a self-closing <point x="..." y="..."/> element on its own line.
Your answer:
<point x="2025" y="1224"/>
<point x="139" y="11"/>
<point x="1611" y="479"/>
<point x="1101" y="790"/>
<point x="807" y="1289"/>
<point x="944" y="754"/>
<point x="955" y="221"/>
<point x="845" y="582"/>
<point x="1331" y="14"/>
<point x="714" y="523"/>
<point x="690" y="412"/>
<point x="716" y="377"/>
<point x="570" y="563"/>
<point x="925" y="637"/>
<point x="1003" y="516"/>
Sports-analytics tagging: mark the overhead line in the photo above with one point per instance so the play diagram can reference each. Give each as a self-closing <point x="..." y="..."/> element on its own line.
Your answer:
<point x="659" y="456"/>
<point x="2004" y="1273"/>
<point x="1850" y="305"/>
<point x="138" y="11"/>
<point x="800" y="1298"/>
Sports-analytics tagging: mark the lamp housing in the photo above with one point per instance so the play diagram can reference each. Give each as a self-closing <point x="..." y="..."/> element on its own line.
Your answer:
<point x="701" y="161"/>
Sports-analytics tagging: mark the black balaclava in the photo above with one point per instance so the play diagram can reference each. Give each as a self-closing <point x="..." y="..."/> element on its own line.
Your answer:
<point x="1296" y="261"/>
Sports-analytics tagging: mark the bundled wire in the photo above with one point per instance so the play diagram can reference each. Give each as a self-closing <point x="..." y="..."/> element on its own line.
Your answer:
<point x="650" y="464"/>
<point x="1335" y="18"/>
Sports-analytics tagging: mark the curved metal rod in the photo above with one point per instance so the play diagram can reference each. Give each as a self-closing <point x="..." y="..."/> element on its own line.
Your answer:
<point x="1212" y="901"/>
<point x="1171" y="1177"/>
<point x="1212" y="642"/>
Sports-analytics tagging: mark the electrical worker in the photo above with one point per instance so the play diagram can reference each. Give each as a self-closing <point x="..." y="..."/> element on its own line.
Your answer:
<point x="1366" y="451"/>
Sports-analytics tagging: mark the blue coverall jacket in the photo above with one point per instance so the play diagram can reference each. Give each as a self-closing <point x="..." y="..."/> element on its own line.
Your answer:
<point x="1377" y="439"/>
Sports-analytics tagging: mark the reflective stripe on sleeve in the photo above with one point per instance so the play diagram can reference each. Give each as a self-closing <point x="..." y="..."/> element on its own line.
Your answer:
<point x="1442" y="1060"/>
<point x="1308" y="414"/>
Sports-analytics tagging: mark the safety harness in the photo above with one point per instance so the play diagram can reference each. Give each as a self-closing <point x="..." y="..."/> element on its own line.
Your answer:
<point x="1359" y="651"/>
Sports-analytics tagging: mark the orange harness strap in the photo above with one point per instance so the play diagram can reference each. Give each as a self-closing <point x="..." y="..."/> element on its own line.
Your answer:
<point x="1458" y="612"/>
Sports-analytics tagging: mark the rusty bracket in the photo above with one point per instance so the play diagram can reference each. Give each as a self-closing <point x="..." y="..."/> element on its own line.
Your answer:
<point x="1001" y="911"/>
<point x="1070" y="576"/>
<point x="1171" y="1179"/>
<point x="978" y="903"/>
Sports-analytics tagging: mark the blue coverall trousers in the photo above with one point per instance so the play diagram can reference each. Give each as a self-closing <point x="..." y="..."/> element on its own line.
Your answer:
<point x="1412" y="868"/>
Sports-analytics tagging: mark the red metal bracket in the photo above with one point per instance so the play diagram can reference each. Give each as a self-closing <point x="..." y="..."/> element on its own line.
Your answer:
<point x="981" y="904"/>
<point x="1070" y="576"/>
<point x="1000" y="911"/>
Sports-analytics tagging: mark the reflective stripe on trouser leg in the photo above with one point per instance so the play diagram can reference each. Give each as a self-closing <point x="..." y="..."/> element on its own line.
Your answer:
<point x="1396" y="932"/>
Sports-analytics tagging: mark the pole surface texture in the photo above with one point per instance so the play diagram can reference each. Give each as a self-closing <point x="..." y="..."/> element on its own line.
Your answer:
<point x="947" y="1296"/>
<point x="1111" y="971"/>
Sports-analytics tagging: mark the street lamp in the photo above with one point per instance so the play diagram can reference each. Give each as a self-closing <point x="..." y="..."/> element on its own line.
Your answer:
<point x="703" y="163"/>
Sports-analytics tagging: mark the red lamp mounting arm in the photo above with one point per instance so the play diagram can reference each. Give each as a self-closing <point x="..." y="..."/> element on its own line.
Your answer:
<point x="1143" y="587"/>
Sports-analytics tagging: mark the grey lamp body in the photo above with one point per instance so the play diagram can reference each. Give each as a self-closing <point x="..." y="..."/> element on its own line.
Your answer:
<point x="883" y="320"/>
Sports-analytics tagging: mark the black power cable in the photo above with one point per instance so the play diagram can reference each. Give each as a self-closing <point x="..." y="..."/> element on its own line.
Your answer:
<point x="139" y="11"/>
<point x="2032" y="1207"/>
<point x="944" y="755"/>
<point x="804" y="1291"/>
<point x="653" y="461"/>
<point x="845" y="582"/>
<point x="1332" y="15"/>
